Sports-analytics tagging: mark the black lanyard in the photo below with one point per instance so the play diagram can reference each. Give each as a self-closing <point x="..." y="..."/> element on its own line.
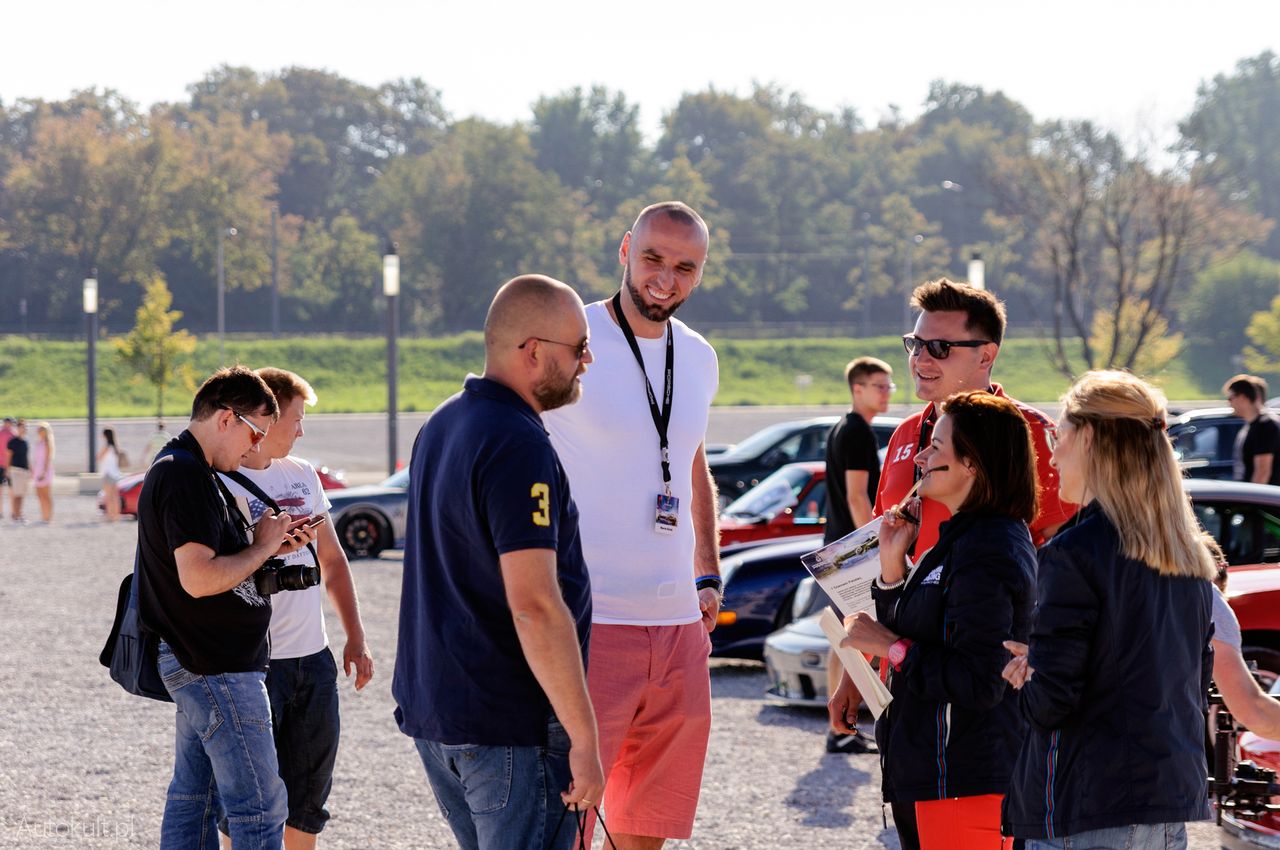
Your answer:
<point x="661" y="417"/>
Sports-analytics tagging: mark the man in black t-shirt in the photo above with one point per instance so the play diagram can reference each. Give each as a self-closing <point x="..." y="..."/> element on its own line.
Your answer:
<point x="853" y="475"/>
<point x="1258" y="441"/>
<point x="196" y="591"/>
<point x="853" y="458"/>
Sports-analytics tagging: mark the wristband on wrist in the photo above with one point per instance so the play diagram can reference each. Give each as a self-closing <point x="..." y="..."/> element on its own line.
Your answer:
<point x="712" y="581"/>
<point x="881" y="584"/>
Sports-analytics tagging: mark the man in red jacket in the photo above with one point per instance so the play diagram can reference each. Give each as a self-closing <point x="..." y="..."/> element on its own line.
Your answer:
<point x="952" y="349"/>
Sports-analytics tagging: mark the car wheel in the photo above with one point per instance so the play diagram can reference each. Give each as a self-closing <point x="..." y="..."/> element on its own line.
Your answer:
<point x="364" y="535"/>
<point x="1268" y="661"/>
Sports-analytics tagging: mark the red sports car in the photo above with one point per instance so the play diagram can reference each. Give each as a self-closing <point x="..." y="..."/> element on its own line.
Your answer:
<point x="131" y="486"/>
<point x="789" y="502"/>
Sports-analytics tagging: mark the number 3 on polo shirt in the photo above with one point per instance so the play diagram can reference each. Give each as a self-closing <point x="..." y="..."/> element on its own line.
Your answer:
<point x="542" y="493"/>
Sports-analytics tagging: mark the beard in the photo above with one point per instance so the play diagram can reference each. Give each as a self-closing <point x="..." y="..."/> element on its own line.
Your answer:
<point x="652" y="312"/>
<point x="557" y="389"/>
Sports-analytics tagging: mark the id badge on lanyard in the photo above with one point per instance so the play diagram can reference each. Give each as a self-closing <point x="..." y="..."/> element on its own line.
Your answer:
<point x="666" y="515"/>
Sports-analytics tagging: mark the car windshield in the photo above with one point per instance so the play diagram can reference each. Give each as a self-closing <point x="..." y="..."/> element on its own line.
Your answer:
<point x="772" y="496"/>
<point x="759" y="441"/>
<point x="400" y="480"/>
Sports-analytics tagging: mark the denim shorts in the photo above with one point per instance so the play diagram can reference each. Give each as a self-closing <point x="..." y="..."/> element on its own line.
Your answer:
<point x="1145" y="836"/>
<point x="304" y="716"/>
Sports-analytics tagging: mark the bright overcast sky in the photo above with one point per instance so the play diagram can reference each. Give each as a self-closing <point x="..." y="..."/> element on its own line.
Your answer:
<point x="1131" y="65"/>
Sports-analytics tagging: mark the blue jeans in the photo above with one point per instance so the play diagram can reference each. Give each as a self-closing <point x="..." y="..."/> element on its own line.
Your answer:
<point x="1146" y="836"/>
<point x="224" y="761"/>
<point x="503" y="798"/>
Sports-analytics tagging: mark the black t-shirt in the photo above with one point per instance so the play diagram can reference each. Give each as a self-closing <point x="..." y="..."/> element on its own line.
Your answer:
<point x="1259" y="437"/>
<point x="851" y="446"/>
<point x="484" y="481"/>
<point x="18" y="446"/>
<point x="180" y="503"/>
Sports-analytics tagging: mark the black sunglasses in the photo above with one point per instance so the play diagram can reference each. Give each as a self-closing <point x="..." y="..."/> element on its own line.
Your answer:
<point x="579" y="348"/>
<point x="939" y="349"/>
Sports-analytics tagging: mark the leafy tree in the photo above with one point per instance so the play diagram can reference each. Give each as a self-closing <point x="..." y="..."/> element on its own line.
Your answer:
<point x="153" y="350"/>
<point x="592" y="142"/>
<point x="1232" y="130"/>
<point x="1116" y="239"/>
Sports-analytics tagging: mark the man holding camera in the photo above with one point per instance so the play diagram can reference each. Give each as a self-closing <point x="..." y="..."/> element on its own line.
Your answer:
<point x="302" y="681"/>
<point x="196" y="590"/>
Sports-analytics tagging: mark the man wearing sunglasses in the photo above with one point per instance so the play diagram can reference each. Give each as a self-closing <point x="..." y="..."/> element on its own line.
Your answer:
<point x="495" y="611"/>
<point x="196" y="591"/>
<point x="952" y="349"/>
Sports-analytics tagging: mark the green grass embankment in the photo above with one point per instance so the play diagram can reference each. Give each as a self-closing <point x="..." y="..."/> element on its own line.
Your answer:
<point x="47" y="379"/>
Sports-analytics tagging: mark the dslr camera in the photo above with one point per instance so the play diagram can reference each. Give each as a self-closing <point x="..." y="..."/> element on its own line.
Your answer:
<point x="274" y="576"/>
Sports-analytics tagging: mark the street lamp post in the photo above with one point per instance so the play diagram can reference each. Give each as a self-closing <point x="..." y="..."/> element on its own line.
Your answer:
<point x="391" y="289"/>
<point x="91" y="331"/>
<point x="977" y="271"/>
<point x="222" y="298"/>
<point x="910" y="282"/>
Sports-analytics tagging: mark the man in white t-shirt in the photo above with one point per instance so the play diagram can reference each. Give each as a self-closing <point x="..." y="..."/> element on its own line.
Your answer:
<point x="633" y="450"/>
<point x="302" y="676"/>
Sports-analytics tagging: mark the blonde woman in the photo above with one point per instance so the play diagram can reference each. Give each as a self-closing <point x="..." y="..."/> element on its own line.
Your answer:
<point x="1114" y="681"/>
<point x="42" y="470"/>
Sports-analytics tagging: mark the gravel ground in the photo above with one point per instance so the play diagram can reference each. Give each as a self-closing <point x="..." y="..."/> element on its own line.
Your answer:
<point x="82" y="764"/>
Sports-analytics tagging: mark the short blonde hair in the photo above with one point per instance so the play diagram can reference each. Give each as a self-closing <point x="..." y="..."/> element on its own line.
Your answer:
<point x="1131" y="470"/>
<point x="286" y="386"/>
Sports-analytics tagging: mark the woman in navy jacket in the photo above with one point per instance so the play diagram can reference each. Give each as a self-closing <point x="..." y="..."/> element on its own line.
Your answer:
<point x="1113" y="685"/>
<point x="948" y="739"/>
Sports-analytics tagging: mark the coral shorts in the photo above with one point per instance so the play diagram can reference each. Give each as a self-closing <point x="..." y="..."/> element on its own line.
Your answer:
<point x="652" y="695"/>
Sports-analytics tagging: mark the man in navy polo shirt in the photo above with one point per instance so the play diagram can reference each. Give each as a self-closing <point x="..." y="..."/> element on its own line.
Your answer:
<point x="496" y="606"/>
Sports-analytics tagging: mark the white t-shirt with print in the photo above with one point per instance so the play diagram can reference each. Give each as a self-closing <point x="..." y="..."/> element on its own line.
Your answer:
<point x="297" y="616"/>
<point x="608" y="445"/>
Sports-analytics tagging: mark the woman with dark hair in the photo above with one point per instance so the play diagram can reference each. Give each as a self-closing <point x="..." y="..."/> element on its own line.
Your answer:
<point x="1114" y="682"/>
<point x="109" y="463"/>
<point x="949" y="737"/>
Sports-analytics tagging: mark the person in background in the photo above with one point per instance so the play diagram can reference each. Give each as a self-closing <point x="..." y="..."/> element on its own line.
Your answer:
<point x="19" y="471"/>
<point x="6" y="434"/>
<point x="1115" y="676"/>
<point x="42" y="456"/>
<point x="302" y="677"/>
<point x="853" y="477"/>
<point x="109" y="465"/>
<point x="1258" y="440"/>
<point x="1248" y="703"/>
<point x="950" y="737"/>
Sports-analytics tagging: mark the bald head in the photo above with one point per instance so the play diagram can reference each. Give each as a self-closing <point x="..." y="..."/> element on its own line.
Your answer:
<point x="528" y="306"/>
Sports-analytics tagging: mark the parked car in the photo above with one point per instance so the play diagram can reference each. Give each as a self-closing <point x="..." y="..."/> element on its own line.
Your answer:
<point x="790" y="502"/>
<point x="1243" y="518"/>
<point x="749" y="462"/>
<point x="130" y="488"/>
<point x="1204" y="441"/>
<point x="371" y="518"/>
<point x="759" y="585"/>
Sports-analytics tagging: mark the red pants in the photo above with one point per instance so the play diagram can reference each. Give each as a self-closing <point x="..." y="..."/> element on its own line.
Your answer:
<point x="961" y="823"/>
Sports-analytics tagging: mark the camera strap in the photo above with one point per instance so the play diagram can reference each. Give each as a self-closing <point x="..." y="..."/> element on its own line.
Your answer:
<point x="247" y="483"/>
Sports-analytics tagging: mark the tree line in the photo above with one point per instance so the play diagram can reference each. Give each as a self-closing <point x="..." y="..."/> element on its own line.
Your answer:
<point x="1117" y="256"/>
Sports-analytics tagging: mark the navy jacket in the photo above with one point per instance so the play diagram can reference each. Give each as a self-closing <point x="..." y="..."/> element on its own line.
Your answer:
<point x="1116" y="704"/>
<point x="953" y="727"/>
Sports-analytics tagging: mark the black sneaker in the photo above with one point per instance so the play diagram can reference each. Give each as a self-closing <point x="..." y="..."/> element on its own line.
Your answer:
<point x="855" y="743"/>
